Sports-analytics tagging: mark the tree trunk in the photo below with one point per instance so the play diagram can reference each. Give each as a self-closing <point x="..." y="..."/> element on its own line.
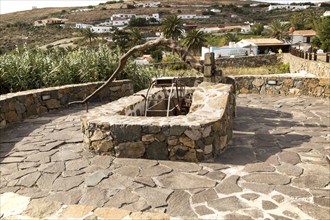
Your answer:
<point x="175" y="46"/>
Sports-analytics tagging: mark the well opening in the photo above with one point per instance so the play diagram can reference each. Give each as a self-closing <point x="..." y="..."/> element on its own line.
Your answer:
<point x="166" y="96"/>
<point x="171" y="101"/>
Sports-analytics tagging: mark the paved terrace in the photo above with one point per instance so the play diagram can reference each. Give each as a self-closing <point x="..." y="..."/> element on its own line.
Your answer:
<point x="275" y="168"/>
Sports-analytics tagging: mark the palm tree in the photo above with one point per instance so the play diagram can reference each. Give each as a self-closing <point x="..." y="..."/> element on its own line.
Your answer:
<point x="88" y="34"/>
<point x="278" y="29"/>
<point x="172" y="27"/>
<point x="230" y="37"/>
<point x="194" y="40"/>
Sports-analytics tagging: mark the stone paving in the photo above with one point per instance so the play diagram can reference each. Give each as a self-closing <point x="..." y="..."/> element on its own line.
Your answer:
<point x="274" y="168"/>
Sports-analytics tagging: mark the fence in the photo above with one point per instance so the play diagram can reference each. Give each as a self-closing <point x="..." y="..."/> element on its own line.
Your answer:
<point x="308" y="55"/>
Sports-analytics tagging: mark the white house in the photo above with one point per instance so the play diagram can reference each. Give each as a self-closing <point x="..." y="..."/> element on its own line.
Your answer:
<point x="122" y="22"/>
<point x="193" y="16"/>
<point x="83" y="26"/>
<point x="187" y="16"/>
<point x="226" y="51"/>
<point x="107" y="23"/>
<point x="100" y="30"/>
<point x="246" y="47"/>
<point x="302" y="36"/>
<point x="245" y="29"/>
<point x="122" y="16"/>
<point x="148" y="17"/>
<point x="210" y="29"/>
<point x="147" y="5"/>
<point x="326" y="14"/>
<point x="202" y="16"/>
<point x="50" y="21"/>
<point x="288" y="7"/>
<point x="215" y="10"/>
<point x="81" y="10"/>
<point x="155" y="16"/>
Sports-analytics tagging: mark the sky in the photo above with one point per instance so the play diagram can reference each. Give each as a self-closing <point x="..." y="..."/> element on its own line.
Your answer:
<point x="7" y="6"/>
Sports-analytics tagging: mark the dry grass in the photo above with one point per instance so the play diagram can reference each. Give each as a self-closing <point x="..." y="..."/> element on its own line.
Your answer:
<point x="30" y="16"/>
<point x="263" y="70"/>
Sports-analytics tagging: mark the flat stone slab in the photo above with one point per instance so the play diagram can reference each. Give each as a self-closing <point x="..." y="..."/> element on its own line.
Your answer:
<point x="96" y="177"/>
<point x="267" y="178"/>
<point x="41" y="208"/>
<point x="185" y="181"/>
<point x="231" y="203"/>
<point x="178" y="205"/>
<point x="229" y="185"/>
<point x="292" y="191"/>
<point x="155" y="197"/>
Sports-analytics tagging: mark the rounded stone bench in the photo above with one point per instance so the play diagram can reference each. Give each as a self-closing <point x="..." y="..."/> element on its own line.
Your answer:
<point x="118" y="129"/>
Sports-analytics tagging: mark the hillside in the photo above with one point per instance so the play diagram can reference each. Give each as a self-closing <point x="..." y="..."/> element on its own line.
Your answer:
<point x="16" y="28"/>
<point x="103" y="11"/>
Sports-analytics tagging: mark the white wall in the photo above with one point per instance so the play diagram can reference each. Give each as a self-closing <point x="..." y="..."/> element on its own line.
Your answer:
<point x="101" y="29"/>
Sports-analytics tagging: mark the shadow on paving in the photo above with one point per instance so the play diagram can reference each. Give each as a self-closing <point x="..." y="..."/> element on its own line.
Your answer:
<point x="261" y="133"/>
<point x="26" y="131"/>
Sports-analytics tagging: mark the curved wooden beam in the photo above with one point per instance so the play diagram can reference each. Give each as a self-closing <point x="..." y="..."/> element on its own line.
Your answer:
<point x="175" y="46"/>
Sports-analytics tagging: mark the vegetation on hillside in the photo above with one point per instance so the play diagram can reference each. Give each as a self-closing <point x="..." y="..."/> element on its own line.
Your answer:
<point x="20" y="34"/>
<point x="322" y="40"/>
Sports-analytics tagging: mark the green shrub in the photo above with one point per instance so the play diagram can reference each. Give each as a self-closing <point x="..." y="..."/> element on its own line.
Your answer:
<point x="283" y="68"/>
<point x="31" y="68"/>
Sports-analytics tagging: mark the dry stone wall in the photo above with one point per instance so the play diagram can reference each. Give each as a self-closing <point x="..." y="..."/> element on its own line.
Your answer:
<point x="297" y="64"/>
<point x="283" y="84"/>
<point x="17" y="106"/>
<point x="200" y="135"/>
<point x="248" y="61"/>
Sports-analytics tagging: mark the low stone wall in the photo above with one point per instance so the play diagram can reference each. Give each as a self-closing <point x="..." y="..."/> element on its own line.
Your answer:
<point x="283" y="84"/>
<point x="200" y="135"/>
<point x="17" y="106"/>
<point x="248" y="61"/>
<point x="297" y="64"/>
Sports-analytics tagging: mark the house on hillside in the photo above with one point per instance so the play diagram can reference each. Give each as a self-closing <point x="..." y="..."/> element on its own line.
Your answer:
<point x="243" y="29"/>
<point x="225" y="51"/>
<point x="147" y="5"/>
<point x="122" y="16"/>
<point x="101" y="29"/>
<point x="50" y="21"/>
<point x="148" y="17"/>
<point x="302" y="36"/>
<point x="248" y="47"/>
<point x="144" y="60"/>
<point x="210" y="29"/>
<point x="215" y="10"/>
<point x="288" y="7"/>
<point x="187" y="16"/>
<point x="121" y="22"/>
<point x="264" y="45"/>
<point x="81" y="10"/>
<point x="83" y="26"/>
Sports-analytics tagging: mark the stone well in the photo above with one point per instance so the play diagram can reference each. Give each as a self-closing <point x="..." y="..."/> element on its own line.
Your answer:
<point x="119" y="129"/>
